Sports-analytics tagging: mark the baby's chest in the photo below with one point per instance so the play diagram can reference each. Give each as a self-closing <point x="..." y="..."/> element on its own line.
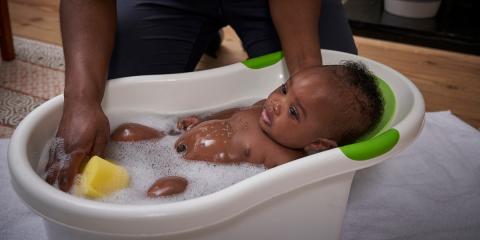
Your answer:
<point x="215" y="141"/>
<point x="249" y="140"/>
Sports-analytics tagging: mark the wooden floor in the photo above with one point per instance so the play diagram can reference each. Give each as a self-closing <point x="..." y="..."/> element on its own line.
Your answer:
<point x="447" y="80"/>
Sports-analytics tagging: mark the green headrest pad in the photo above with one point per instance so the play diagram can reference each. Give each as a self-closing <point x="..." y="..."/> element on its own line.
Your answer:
<point x="370" y="145"/>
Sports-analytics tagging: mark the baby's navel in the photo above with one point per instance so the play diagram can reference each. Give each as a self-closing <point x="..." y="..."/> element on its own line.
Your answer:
<point x="181" y="148"/>
<point x="219" y="157"/>
<point x="246" y="152"/>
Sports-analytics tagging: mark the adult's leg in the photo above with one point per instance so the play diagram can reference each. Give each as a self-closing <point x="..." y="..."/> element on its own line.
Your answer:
<point x="335" y="32"/>
<point x="158" y="37"/>
<point x="252" y="21"/>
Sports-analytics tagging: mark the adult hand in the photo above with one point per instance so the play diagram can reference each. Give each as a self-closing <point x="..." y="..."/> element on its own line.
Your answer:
<point x="88" y="36"/>
<point x="82" y="133"/>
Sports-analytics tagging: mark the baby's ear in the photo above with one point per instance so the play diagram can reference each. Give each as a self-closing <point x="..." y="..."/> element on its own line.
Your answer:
<point x="319" y="145"/>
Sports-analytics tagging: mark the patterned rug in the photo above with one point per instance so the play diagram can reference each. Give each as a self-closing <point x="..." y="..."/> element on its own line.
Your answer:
<point x="36" y="75"/>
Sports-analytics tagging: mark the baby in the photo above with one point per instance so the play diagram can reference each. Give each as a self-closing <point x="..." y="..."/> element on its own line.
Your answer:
<point x="317" y="109"/>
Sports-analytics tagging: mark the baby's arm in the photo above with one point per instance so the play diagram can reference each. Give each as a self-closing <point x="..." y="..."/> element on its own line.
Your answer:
<point x="187" y="123"/>
<point x="229" y="112"/>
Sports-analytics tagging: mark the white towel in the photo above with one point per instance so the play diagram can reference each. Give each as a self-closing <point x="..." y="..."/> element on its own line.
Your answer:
<point x="17" y="222"/>
<point x="429" y="191"/>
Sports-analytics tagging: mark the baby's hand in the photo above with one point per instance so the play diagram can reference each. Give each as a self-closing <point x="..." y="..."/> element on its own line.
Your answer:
<point x="188" y="123"/>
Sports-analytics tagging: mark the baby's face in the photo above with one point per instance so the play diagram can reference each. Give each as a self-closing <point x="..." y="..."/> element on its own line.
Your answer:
<point x="299" y="111"/>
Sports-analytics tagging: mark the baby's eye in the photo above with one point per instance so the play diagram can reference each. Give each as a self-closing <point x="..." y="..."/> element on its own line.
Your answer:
<point x="293" y="112"/>
<point x="283" y="89"/>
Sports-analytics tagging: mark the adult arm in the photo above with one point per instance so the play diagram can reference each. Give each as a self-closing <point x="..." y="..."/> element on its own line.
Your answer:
<point x="88" y="33"/>
<point x="297" y="24"/>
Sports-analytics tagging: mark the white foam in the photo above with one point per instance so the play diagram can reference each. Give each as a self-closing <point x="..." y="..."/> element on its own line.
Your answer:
<point x="55" y="146"/>
<point x="147" y="161"/>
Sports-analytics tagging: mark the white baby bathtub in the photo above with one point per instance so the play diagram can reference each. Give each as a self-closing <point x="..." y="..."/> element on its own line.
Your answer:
<point x="303" y="199"/>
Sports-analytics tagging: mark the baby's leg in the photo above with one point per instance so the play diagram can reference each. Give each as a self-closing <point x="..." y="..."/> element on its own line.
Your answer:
<point x="131" y="132"/>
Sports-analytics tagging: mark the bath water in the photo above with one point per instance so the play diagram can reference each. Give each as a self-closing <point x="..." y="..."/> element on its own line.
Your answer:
<point x="147" y="161"/>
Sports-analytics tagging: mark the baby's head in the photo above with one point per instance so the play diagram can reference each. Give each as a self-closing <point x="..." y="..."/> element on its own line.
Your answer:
<point x="323" y="107"/>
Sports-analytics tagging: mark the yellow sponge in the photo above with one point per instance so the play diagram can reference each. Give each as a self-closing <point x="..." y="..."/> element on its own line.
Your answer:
<point x="101" y="177"/>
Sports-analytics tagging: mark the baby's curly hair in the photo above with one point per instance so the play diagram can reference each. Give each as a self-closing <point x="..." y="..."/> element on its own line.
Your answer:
<point x="361" y="98"/>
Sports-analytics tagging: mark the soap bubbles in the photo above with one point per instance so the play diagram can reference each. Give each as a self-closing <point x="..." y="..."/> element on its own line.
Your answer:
<point x="57" y="147"/>
<point x="146" y="161"/>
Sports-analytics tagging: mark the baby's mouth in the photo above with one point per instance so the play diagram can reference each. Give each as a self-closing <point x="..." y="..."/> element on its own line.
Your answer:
<point x="266" y="117"/>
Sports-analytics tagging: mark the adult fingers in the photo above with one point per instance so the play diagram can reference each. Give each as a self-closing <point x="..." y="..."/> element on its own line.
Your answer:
<point x="68" y="171"/>
<point x="51" y="157"/>
<point x="100" y="144"/>
<point x="52" y="167"/>
<point x="56" y="150"/>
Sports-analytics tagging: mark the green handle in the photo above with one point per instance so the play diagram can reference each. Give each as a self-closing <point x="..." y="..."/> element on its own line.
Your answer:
<point x="263" y="61"/>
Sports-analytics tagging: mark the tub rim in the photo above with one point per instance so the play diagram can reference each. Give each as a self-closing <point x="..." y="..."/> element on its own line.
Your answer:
<point x="195" y="213"/>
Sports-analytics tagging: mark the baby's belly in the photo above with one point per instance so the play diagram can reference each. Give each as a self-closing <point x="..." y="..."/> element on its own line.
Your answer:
<point x="212" y="141"/>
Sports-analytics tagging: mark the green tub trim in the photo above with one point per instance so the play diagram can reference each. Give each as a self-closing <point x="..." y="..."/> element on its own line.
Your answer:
<point x="372" y="148"/>
<point x="263" y="61"/>
<point x="370" y="145"/>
